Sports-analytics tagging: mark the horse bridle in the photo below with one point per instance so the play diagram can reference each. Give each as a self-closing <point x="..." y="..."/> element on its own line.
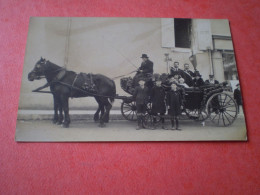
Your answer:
<point x="43" y="76"/>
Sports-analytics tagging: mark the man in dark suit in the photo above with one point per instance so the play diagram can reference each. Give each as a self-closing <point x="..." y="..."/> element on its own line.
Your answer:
<point x="211" y="80"/>
<point x="238" y="97"/>
<point x="188" y="75"/>
<point x="158" y="101"/>
<point x="175" y="70"/>
<point x="141" y="97"/>
<point x="174" y="102"/>
<point x="144" y="71"/>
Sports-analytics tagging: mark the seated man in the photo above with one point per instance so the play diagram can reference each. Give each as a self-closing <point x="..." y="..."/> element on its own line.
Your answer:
<point x="176" y="70"/>
<point x="188" y="75"/>
<point x="211" y="80"/>
<point x="144" y="71"/>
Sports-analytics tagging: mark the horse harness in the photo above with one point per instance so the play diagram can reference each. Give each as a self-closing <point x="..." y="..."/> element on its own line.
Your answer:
<point x="87" y="87"/>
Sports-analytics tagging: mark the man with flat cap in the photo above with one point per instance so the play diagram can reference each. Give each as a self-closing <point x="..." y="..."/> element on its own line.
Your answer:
<point x="211" y="80"/>
<point x="144" y="71"/>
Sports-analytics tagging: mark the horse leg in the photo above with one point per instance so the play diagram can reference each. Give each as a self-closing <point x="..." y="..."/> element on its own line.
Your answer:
<point x="96" y="115"/>
<point x="56" y="106"/>
<point x="65" y="107"/>
<point x="60" y="114"/>
<point x="108" y="106"/>
<point x="100" y="108"/>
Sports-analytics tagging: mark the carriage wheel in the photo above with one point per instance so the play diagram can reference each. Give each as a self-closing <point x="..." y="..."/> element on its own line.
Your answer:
<point x="128" y="110"/>
<point x="197" y="114"/>
<point x="151" y="121"/>
<point x="222" y="109"/>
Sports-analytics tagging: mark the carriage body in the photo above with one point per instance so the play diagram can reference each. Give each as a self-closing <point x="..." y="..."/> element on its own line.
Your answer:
<point x="200" y="103"/>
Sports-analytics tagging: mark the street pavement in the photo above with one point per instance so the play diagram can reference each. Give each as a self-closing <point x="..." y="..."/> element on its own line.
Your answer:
<point x="122" y="130"/>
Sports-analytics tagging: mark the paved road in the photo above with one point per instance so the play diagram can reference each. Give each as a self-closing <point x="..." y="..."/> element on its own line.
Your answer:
<point x="120" y="130"/>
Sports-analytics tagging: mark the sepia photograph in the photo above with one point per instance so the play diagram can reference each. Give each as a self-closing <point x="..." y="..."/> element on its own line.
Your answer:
<point x="129" y="79"/>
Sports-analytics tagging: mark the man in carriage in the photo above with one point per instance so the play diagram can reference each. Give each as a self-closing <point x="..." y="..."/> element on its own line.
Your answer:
<point x="145" y="71"/>
<point x="211" y="80"/>
<point x="188" y="75"/>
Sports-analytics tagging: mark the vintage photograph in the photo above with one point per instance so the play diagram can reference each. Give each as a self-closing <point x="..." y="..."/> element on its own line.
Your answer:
<point x="129" y="79"/>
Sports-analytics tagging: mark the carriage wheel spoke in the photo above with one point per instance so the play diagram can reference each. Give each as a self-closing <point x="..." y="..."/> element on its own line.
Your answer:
<point x="214" y="117"/>
<point x="223" y="119"/>
<point x="230" y="115"/>
<point x="218" y="118"/>
<point x="231" y="110"/>
<point x="127" y="110"/>
<point x="227" y="118"/>
<point x="225" y="100"/>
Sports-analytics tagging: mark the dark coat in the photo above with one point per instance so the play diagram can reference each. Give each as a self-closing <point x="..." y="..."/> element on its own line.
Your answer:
<point x="188" y="77"/>
<point x="198" y="83"/>
<point x="207" y="82"/>
<point x="158" y="100"/>
<point x="147" y="67"/>
<point x="176" y="71"/>
<point x="141" y="95"/>
<point x="174" y="100"/>
<point x="237" y="96"/>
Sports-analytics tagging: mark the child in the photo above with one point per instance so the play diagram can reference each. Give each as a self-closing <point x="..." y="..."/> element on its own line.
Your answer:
<point x="181" y="82"/>
<point x="174" y="103"/>
<point x="140" y="96"/>
<point x="158" y="101"/>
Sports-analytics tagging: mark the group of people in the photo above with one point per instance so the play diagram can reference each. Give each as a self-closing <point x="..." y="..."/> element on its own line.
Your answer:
<point x="166" y="96"/>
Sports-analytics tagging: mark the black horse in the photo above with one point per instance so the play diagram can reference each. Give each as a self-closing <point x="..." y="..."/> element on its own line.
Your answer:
<point x="64" y="84"/>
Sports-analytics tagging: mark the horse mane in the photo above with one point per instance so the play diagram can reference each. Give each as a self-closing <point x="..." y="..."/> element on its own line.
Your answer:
<point x="51" y="65"/>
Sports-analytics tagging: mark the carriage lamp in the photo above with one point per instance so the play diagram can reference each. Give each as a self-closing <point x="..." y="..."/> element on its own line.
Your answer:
<point x="167" y="59"/>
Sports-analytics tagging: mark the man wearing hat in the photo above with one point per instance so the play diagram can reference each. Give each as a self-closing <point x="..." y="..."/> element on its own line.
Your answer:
<point x="237" y="96"/>
<point x="145" y="70"/>
<point x="158" y="101"/>
<point x="141" y="97"/>
<point x="211" y="80"/>
<point x="198" y="81"/>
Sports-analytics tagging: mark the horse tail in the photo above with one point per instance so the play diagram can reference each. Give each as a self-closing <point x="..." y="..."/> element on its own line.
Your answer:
<point x="112" y="99"/>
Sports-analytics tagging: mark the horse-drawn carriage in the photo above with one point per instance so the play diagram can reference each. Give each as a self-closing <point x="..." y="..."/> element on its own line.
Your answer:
<point x="209" y="101"/>
<point x="200" y="103"/>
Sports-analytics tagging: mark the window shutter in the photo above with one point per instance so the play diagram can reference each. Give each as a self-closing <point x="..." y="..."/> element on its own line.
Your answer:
<point x="168" y="35"/>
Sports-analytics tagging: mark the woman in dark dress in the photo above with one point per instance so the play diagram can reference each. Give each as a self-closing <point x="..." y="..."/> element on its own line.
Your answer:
<point x="158" y="101"/>
<point x="198" y="81"/>
<point x="174" y="103"/>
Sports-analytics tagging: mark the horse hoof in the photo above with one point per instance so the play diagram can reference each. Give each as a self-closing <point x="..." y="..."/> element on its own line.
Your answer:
<point x="101" y="125"/>
<point x="65" y="125"/>
<point x="54" y="121"/>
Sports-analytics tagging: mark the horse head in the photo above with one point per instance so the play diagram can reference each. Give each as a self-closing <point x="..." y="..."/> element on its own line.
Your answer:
<point x="38" y="70"/>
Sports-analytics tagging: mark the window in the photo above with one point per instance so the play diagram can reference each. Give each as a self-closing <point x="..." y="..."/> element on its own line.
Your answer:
<point x="182" y="29"/>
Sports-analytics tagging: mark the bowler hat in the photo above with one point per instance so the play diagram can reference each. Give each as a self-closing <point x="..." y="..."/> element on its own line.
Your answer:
<point x="144" y="56"/>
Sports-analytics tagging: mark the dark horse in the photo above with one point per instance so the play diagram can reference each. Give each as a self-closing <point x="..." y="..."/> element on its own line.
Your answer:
<point x="62" y="84"/>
